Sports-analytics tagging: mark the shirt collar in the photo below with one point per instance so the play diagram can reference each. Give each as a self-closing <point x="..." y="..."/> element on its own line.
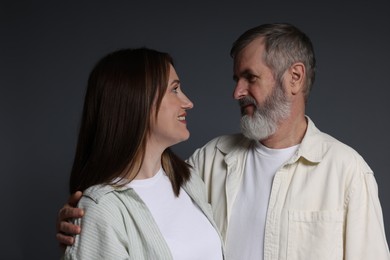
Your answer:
<point x="312" y="147"/>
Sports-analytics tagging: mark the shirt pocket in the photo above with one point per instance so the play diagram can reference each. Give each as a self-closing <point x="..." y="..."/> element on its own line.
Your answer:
<point x="315" y="235"/>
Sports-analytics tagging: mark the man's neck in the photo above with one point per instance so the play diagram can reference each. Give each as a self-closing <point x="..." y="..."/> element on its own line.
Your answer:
<point x="290" y="132"/>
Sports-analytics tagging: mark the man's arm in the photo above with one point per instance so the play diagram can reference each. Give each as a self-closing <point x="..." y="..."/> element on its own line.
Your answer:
<point x="65" y="229"/>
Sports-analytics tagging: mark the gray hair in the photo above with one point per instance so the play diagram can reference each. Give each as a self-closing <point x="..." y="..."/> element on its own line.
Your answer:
<point x="284" y="45"/>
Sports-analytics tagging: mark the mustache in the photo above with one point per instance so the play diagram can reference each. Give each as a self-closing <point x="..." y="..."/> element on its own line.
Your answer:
<point x="247" y="101"/>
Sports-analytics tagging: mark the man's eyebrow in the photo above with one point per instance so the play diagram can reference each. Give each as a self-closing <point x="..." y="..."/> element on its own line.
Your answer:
<point x="247" y="72"/>
<point x="244" y="73"/>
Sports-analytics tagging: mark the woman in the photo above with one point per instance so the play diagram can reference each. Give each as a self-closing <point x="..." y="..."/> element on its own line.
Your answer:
<point x="141" y="201"/>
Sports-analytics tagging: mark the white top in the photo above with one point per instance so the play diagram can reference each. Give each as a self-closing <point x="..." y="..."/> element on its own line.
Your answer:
<point x="187" y="231"/>
<point x="323" y="205"/>
<point x="246" y="241"/>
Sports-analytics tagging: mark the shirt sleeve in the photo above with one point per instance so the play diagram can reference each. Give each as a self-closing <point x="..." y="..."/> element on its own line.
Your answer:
<point x="102" y="235"/>
<point x="365" y="235"/>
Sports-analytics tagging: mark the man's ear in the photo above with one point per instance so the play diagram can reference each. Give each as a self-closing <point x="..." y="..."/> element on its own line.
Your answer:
<point x="296" y="77"/>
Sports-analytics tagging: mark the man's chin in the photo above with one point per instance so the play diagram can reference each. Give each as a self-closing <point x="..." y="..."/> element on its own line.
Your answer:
<point x="255" y="136"/>
<point x="258" y="132"/>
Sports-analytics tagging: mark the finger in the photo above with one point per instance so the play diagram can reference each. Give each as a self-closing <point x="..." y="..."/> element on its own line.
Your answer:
<point x="64" y="240"/>
<point x="68" y="228"/>
<point x="67" y="213"/>
<point x="74" y="198"/>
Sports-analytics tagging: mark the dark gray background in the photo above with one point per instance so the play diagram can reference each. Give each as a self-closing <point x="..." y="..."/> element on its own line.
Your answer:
<point x="48" y="49"/>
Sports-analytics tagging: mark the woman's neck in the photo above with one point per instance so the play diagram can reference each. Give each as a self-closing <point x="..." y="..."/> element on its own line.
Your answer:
<point x="151" y="163"/>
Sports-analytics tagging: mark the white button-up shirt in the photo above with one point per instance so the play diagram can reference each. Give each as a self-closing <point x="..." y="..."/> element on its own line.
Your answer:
<point x="324" y="201"/>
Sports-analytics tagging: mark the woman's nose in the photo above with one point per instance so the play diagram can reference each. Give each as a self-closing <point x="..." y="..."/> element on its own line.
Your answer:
<point x="187" y="103"/>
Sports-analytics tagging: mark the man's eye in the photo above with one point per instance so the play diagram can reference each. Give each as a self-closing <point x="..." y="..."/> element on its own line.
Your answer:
<point x="251" y="78"/>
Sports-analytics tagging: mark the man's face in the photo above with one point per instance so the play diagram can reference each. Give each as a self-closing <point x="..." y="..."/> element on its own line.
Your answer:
<point x="262" y="99"/>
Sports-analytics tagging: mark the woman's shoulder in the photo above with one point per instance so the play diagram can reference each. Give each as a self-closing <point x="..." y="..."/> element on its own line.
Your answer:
<point x="97" y="192"/>
<point x="102" y="196"/>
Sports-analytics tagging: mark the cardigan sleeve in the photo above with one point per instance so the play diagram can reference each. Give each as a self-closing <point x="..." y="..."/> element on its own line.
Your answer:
<point x="103" y="232"/>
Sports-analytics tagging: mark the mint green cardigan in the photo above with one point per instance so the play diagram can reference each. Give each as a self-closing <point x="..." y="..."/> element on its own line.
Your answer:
<point x="118" y="225"/>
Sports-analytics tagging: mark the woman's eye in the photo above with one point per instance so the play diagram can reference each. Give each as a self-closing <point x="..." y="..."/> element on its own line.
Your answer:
<point x="175" y="90"/>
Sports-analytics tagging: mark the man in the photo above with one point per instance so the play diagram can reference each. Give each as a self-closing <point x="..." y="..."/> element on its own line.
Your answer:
<point x="282" y="189"/>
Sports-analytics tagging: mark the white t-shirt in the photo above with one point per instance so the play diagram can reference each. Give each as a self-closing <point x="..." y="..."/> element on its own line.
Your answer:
<point x="187" y="231"/>
<point x="245" y="234"/>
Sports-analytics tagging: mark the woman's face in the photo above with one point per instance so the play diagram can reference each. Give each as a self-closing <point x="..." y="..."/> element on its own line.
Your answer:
<point x="170" y="127"/>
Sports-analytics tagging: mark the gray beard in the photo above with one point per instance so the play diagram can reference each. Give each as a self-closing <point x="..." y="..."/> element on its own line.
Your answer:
<point x="264" y="121"/>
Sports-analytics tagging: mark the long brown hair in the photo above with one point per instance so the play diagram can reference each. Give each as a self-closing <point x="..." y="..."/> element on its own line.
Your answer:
<point x="122" y="89"/>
